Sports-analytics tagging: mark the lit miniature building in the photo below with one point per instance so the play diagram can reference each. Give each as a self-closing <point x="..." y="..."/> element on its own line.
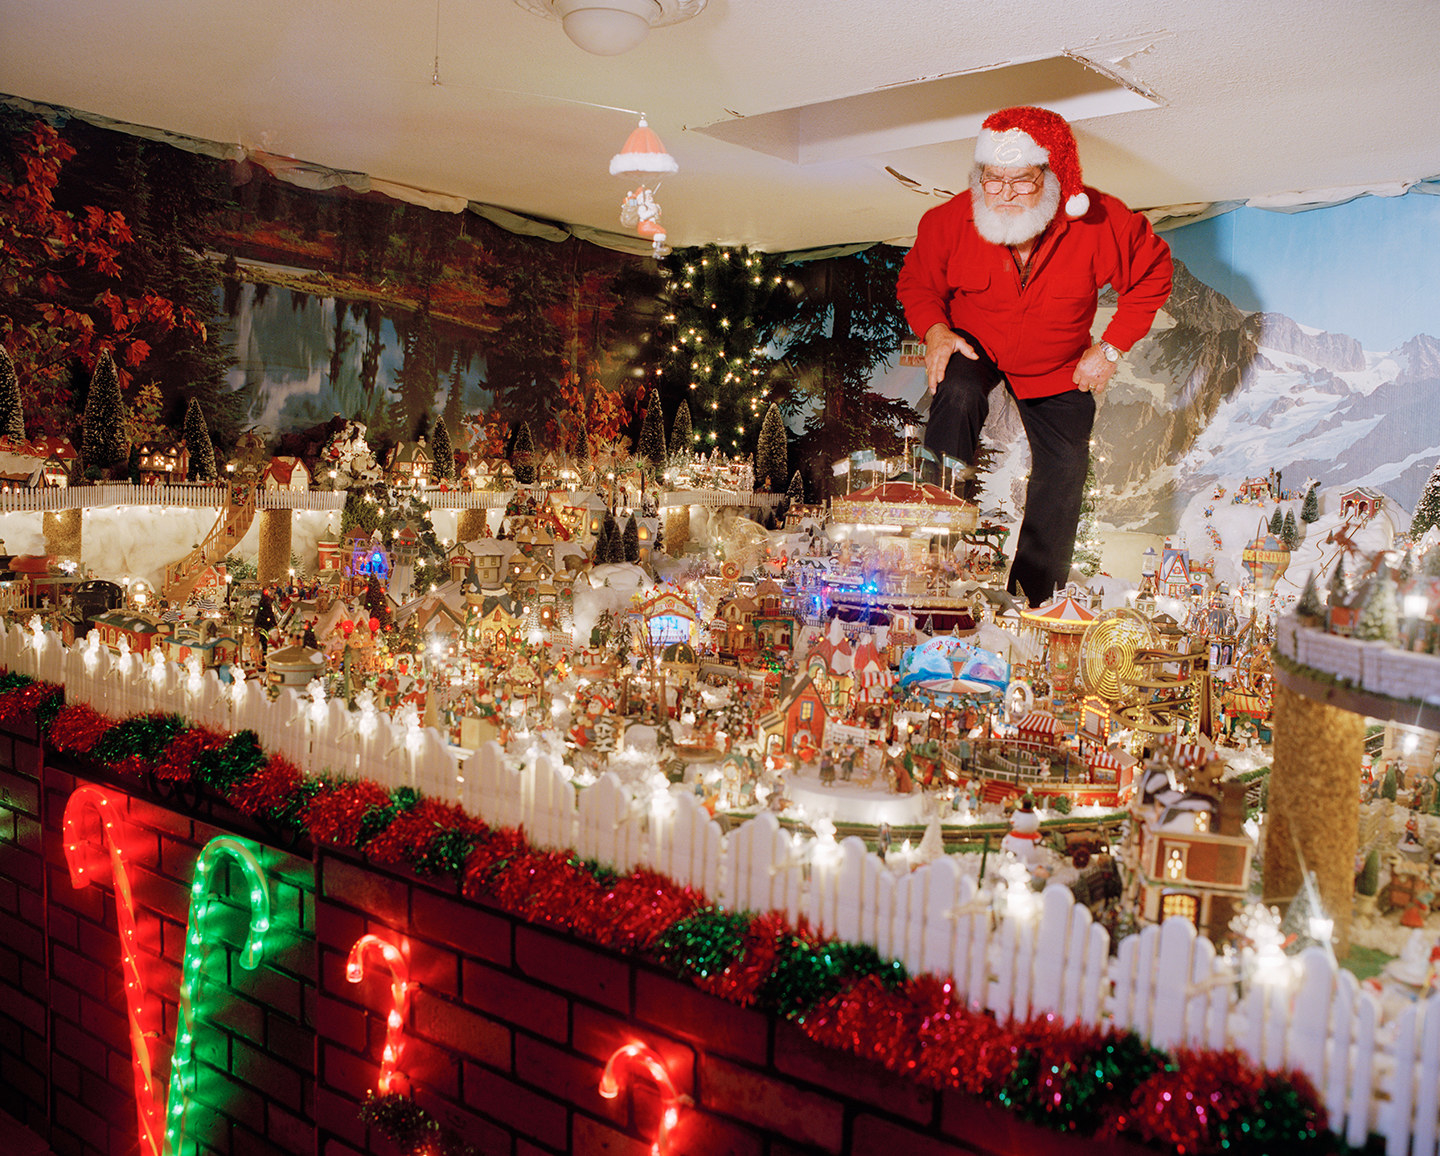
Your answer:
<point x="163" y="461"/>
<point x="800" y="710"/>
<point x="1192" y="856"/>
<point x="285" y="472"/>
<point x="410" y="464"/>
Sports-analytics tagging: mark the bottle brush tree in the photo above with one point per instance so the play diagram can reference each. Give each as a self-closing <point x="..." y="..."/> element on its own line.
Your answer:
<point x="441" y="454"/>
<point x="197" y="441"/>
<point x="102" y="441"/>
<point x="12" y="410"/>
<point x="771" y="453"/>
<point x="651" y="445"/>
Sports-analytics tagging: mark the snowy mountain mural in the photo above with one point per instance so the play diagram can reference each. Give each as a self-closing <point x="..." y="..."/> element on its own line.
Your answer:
<point x="1215" y="395"/>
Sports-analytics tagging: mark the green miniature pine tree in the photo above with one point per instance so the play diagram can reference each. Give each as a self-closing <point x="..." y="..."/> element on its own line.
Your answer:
<point x="1277" y="522"/>
<point x="361" y="512"/>
<point x="614" y="540"/>
<point x="1290" y="531"/>
<point x="12" y="411"/>
<point x="441" y="454"/>
<point x="1380" y="618"/>
<point x="1390" y="785"/>
<point x="1310" y="605"/>
<point x="630" y="540"/>
<point x="1339" y="588"/>
<point x="102" y="441"/>
<point x="1368" y="881"/>
<point x="771" y="452"/>
<point x="197" y="441"/>
<point x="1432" y="563"/>
<point x="682" y="439"/>
<point x="522" y="455"/>
<point x="1310" y="508"/>
<point x="651" y="446"/>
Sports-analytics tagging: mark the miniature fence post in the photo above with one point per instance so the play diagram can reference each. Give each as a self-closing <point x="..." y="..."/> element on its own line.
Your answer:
<point x="608" y="830"/>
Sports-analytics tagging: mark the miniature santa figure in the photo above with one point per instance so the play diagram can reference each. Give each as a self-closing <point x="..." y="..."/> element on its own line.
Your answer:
<point x="1023" y="841"/>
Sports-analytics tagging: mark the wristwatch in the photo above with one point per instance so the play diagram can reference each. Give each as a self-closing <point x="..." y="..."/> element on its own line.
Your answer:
<point x="1110" y="352"/>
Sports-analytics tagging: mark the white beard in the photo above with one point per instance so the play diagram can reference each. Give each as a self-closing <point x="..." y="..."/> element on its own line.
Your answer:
<point x="1014" y="228"/>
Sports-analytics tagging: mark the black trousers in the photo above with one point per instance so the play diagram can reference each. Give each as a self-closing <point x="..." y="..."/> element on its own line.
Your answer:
<point x="1058" y="430"/>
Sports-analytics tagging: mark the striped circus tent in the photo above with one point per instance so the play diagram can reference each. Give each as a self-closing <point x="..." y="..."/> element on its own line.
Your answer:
<point x="1063" y="616"/>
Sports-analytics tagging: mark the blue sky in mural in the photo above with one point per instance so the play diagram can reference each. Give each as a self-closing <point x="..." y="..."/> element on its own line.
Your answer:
<point x="1368" y="269"/>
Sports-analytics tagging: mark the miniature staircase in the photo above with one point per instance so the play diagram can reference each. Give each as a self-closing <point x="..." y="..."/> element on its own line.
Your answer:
<point x="181" y="577"/>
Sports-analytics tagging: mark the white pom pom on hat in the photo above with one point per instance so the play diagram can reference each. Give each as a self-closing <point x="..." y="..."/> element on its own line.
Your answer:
<point x="1035" y="136"/>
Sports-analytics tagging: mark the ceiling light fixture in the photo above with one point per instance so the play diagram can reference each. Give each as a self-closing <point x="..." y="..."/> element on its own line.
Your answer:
<point x="610" y="27"/>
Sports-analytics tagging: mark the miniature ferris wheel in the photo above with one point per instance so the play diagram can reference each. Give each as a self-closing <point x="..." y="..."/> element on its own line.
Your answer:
<point x="1107" y="653"/>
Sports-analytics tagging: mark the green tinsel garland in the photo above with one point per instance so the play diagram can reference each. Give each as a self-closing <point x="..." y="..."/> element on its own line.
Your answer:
<point x="222" y="767"/>
<point x="705" y="944"/>
<point x="144" y="737"/>
<point x="806" y="974"/>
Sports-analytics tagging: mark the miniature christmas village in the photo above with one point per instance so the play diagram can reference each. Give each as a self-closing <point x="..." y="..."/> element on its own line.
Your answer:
<point x="855" y="668"/>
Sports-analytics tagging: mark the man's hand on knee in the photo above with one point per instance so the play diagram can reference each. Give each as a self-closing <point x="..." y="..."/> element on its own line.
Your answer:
<point x="940" y="343"/>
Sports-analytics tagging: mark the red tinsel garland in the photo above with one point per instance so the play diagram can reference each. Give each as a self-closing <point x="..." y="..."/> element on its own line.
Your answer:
<point x="24" y="701"/>
<point x="267" y="789"/>
<point x="334" y="815"/>
<point x="77" y="728"/>
<point x="413" y="830"/>
<point x="174" y="762"/>
<point x="741" y="981"/>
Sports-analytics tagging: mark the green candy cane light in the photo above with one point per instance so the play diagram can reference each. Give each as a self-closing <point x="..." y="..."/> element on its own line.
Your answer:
<point x="183" y="1064"/>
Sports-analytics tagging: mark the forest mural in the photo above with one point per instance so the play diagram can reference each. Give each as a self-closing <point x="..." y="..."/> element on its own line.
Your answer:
<point x="277" y="308"/>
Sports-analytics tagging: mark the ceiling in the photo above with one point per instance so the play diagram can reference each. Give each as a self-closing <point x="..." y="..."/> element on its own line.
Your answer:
<point x="1173" y="101"/>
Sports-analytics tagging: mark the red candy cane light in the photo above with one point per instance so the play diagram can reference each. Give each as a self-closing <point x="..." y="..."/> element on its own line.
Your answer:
<point x="391" y="1078"/>
<point x="649" y="1063"/>
<point x="107" y="809"/>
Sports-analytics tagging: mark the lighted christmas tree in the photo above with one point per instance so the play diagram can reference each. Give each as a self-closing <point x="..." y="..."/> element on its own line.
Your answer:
<point x="1086" y="555"/>
<point x="197" y="441"/>
<point x="377" y="604"/>
<point x="722" y="307"/>
<point x="682" y="437"/>
<point x="441" y="454"/>
<point x="651" y="446"/>
<point x="796" y="489"/>
<point x="12" y="411"/>
<point x="1310" y="507"/>
<point x="102" y="440"/>
<point x="771" y="455"/>
<point x="522" y="455"/>
<point x="1427" y="510"/>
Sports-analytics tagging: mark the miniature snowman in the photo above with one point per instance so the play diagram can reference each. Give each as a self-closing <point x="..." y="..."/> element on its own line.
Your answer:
<point x="1023" y="841"/>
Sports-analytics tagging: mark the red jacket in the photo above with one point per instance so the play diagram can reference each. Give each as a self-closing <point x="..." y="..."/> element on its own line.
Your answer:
<point x="955" y="277"/>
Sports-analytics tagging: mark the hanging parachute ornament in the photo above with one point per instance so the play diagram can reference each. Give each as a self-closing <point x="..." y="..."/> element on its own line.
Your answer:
<point x="643" y="153"/>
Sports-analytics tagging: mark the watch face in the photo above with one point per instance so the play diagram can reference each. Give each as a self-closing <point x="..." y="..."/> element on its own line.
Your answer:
<point x="1111" y="353"/>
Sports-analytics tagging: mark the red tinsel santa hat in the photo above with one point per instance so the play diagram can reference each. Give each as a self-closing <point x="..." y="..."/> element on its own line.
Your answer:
<point x="1020" y="136"/>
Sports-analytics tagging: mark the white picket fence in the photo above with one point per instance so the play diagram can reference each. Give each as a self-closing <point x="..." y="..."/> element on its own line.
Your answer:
<point x="1017" y="954"/>
<point x="14" y="499"/>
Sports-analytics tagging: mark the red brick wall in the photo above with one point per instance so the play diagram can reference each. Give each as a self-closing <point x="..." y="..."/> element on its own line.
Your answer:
<point x="509" y="1028"/>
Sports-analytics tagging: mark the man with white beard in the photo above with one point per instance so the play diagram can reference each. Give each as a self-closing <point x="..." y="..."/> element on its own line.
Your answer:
<point x="1001" y="278"/>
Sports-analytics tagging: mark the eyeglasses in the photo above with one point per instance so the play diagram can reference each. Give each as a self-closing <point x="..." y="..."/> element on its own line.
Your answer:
<point x="1022" y="187"/>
